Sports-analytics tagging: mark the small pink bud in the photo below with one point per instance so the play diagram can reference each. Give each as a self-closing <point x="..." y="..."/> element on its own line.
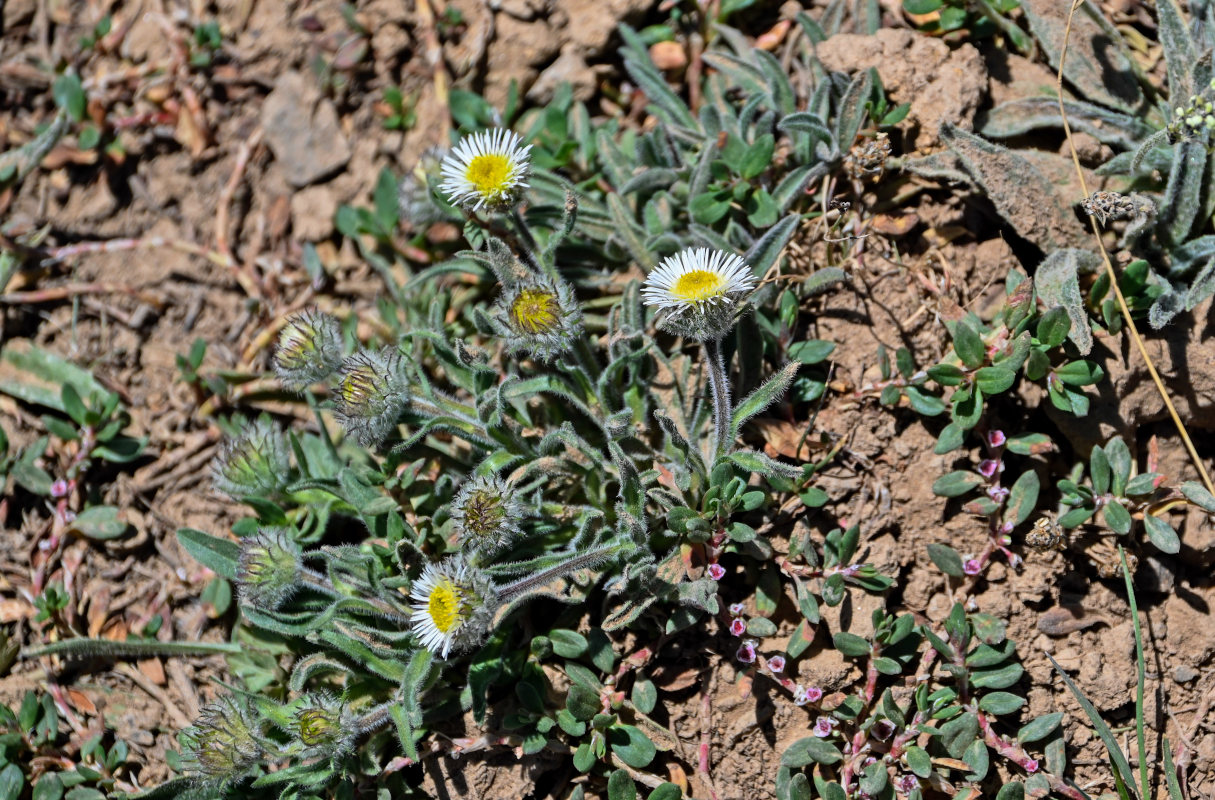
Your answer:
<point x="972" y="566"/>
<point x="776" y="663"/>
<point x="738" y="627"/>
<point x="1031" y="765"/>
<point x="988" y="467"/>
<point x="59" y="488"/>
<point x="736" y="609"/>
<point x="997" y="493"/>
<point x="717" y="571"/>
<point x="1006" y="529"/>
<point x="996" y="438"/>
<point x="746" y="652"/>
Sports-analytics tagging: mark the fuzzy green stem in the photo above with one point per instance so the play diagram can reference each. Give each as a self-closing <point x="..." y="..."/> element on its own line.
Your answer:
<point x="719" y="385"/>
<point x="87" y="648"/>
<point x="591" y="558"/>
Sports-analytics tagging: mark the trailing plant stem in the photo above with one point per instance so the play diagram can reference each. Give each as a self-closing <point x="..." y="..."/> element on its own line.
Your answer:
<point x="719" y="385"/>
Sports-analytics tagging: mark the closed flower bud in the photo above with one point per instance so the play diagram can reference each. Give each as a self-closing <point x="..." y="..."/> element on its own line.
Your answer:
<point x="255" y="464"/>
<point x="372" y="391"/>
<point x="222" y="744"/>
<point x="269" y="568"/>
<point x="486" y="515"/>
<point x="539" y="319"/>
<point x="324" y="727"/>
<point x="309" y="349"/>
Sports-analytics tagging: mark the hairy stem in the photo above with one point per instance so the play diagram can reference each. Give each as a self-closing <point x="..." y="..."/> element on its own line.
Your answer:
<point x="719" y="385"/>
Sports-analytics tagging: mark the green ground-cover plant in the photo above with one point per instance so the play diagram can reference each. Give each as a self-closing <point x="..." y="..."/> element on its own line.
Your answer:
<point x="1160" y="175"/>
<point x="535" y="459"/>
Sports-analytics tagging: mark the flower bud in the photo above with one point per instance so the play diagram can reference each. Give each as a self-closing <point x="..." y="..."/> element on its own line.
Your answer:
<point x="269" y="568"/>
<point x="486" y="515"/>
<point x="539" y="319"/>
<point x="255" y="464"/>
<point x="746" y="651"/>
<point x="323" y="727"/>
<point x="737" y="626"/>
<point x="222" y="743"/>
<point x="776" y="664"/>
<point x="371" y="393"/>
<point x="717" y="571"/>
<point x="309" y="349"/>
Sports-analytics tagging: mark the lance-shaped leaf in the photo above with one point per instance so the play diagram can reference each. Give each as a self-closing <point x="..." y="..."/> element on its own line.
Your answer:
<point x="767" y="394"/>
<point x="1028" y="114"/>
<point x="1183" y="195"/>
<point x="1098" y="64"/>
<point x="1058" y="284"/>
<point x="1179" y="51"/>
<point x="1019" y="190"/>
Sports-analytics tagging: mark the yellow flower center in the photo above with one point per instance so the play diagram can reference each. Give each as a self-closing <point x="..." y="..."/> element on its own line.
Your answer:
<point x="489" y="173"/>
<point x="698" y="285"/>
<point x="536" y="311"/>
<point x="445" y="606"/>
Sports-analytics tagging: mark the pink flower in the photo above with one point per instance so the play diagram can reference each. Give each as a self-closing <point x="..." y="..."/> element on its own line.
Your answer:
<point x="814" y="694"/>
<point x="988" y="467"/>
<point x="997" y="493"/>
<point x="776" y="663"/>
<point x="717" y="571"/>
<point x="800" y="696"/>
<point x="1031" y="765"/>
<point x="59" y="488"/>
<point x="746" y="652"/>
<point x="972" y="566"/>
<point x="737" y="626"/>
<point x="908" y="783"/>
<point x="736" y="609"/>
<point x="822" y="727"/>
<point x="996" y="438"/>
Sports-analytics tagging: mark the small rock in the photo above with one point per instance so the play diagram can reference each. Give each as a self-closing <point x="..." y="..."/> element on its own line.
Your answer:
<point x="1184" y="673"/>
<point x="668" y="55"/>
<point x="312" y="211"/>
<point x="569" y="68"/>
<point x="1156" y="575"/>
<point x="302" y="130"/>
<point x="938" y="607"/>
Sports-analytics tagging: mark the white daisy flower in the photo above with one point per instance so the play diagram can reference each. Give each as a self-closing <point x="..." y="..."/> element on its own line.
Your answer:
<point x="697" y="279"/>
<point x="487" y="168"/>
<point x="452" y="603"/>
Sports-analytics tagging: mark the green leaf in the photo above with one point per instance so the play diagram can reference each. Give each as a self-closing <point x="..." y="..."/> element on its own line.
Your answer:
<point x="581" y="702"/>
<point x="918" y="7"/>
<point x="758" y="157"/>
<point x="48" y="787"/>
<point x="968" y="344"/>
<point x="951" y="438"/>
<point x="567" y="643"/>
<point x="1141" y="484"/>
<point x="946" y="374"/>
<point x="1197" y="494"/>
<point x="621" y="787"/>
<point x="1028" y="444"/>
<point x="100" y="522"/>
<point x="73" y="405"/>
<point x="1038" y="729"/>
<point x="1053" y="327"/>
<point x="768" y="393"/>
<point x="811" y="351"/>
<point x="1099" y="468"/>
<point x="1001" y="703"/>
<point x="994" y="380"/>
<point x="666" y="791"/>
<point x="918" y="760"/>
<point x="998" y="678"/>
<point x="633" y="746"/>
<point x="1119" y="456"/>
<point x="69" y="95"/>
<point x="955" y="484"/>
<point x="1080" y="373"/>
<point x="810" y="750"/>
<point x="1013" y="790"/>
<point x="1107" y="736"/>
<point x="761" y="627"/>
<point x="1022" y="498"/>
<point x="644" y="695"/>
<point x="946" y="559"/>
<point x="977" y="759"/>
<point x="959" y="732"/>
<point x="1161" y="534"/>
<point x="851" y="645"/>
<point x="220" y="555"/>
<point x="926" y="404"/>
<point x="1117" y="517"/>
